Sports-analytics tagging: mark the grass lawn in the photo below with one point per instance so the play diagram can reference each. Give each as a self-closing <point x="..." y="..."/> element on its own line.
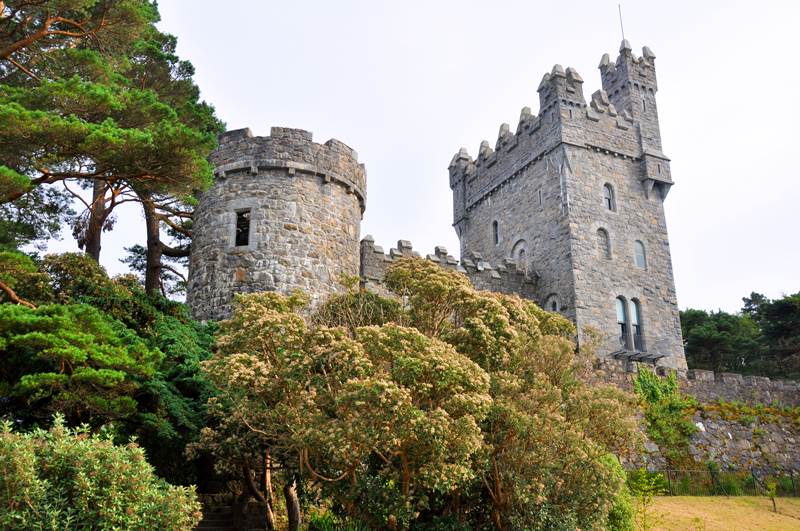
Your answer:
<point x="721" y="513"/>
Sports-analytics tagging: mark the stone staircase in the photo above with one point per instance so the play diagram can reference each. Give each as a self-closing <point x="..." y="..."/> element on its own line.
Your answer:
<point x="217" y="518"/>
<point x="221" y="517"/>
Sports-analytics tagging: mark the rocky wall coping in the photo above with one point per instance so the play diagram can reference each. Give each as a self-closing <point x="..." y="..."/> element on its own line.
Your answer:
<point x="702" y="378"/>
<point x="471" y="265"/>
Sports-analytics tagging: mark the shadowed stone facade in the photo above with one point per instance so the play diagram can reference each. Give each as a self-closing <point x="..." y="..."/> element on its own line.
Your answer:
<point x="572" y="196"/>
<point x="304" y="203"/>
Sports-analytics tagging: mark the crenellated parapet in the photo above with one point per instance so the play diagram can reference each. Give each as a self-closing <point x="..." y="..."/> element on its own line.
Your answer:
<point x="503" y="278"/>
<point x="293" y="151"/>
<point x="283" y="214"/>
<point x="709" y="386"/>
<point x="607" y="123"/>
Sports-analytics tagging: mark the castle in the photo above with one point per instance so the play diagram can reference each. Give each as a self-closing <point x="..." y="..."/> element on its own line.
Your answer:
<point x="568" y="210"/>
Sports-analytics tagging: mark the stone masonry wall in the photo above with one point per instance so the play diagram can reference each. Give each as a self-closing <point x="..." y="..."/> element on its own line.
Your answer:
<point x="734" y="444"/>
<point x="502" y="278"/>
<point x="537" y="198"/>
<point x="306" y="201"/>
<point x="708" y="386"/>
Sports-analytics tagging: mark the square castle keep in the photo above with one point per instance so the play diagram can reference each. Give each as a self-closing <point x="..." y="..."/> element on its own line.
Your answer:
<point x="567" y="210"/>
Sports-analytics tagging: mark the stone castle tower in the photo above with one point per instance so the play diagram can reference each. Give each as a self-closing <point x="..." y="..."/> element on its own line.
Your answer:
<point x="567" y="210"/>
<point x="283" y="214"/>
<point x="575" y="196"/>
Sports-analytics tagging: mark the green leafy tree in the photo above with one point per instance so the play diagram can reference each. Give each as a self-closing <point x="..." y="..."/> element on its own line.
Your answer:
<point x="779" y="322"/>
<point x="93" y="95"/>
<point x="762" y="340"/>
<point x="719" y="341"/>
<point x="461" y="408"/>
<point x="34" y="218"/>
<point x="65" y="478"/>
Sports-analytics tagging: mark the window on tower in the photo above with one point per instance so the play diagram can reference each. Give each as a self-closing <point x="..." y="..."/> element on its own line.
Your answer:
<point x="639" y="255"/>
<point x="495" y="232"/>
<point x="603" y="244"/>
<point x="622" y="321"/>
<point x="608" y="197"/>
<point x="636" y="321"/>
<point x="551" y="304"/>
<point x="242" y="228"/>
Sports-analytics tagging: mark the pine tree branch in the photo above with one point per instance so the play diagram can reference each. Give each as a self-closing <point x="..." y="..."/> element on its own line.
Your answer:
<point x="11" y="294"/>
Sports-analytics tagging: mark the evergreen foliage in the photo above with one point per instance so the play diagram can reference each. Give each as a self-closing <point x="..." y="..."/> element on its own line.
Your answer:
<point x="106" y="353"/>
<point x="763" y="339"/>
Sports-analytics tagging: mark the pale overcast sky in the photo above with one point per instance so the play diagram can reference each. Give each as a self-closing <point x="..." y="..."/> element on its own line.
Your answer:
<point x="408" y="83"/>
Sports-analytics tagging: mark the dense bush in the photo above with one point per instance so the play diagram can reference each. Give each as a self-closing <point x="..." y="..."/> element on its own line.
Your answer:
<point x="668" y="415"/>
<point x="457" y="410"/>
<point x="71" y="479"/>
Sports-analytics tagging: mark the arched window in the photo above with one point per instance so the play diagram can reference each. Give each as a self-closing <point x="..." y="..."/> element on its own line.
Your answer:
<point x="495" y="232"/>
<point x="622" y="321"/>
<point x="551" y="303"/>
<point x="603" y="244"/>
<point x="639" y="255"/>
<point x="636" y="322"/>
<point x="608" y="197"/>
<point x="519" y="254"/>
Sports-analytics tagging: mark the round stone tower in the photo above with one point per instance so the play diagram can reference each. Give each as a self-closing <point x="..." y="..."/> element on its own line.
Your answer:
<point x="283" y="214"/>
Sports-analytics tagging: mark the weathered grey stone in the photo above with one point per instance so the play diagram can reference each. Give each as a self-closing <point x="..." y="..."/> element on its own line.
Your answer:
<point x="306" y="202"/>
<point x="543" y="190"/>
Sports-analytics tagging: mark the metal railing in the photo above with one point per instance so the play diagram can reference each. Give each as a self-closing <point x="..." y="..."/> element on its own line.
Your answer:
<point x="710" y="481"/>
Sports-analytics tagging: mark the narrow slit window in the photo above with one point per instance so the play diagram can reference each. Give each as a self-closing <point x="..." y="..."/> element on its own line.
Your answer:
<point x="495" y="232"/>
<point x="539" y="195"/>
<point x="636" y="321"/>
<point x="639" y="255"/>
<point x="243" y="228"/>
<point x="622" y="321"/>
<point x="608" y="197"/>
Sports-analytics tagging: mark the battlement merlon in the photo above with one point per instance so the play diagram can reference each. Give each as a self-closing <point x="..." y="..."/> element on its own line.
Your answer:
<point x="628" y="68"/>
<point x="560" y="86"/>
<point x="293" y="150"/>
<point x="503" y="278"/>
<point x="622" y="123"/>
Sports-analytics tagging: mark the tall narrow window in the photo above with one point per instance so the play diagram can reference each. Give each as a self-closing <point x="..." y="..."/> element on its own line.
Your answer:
<point x="551" y="304"/>
<point x="636" y="322"/>
<point x="622" y="321"/>
<point x="495" y="232"/>
<point x="639" y="255"/>
<point x="539" y="195"/>
<point x="242" y="228"/>
<point x="608" y="197"/>
<point x="644" y="105"/>
<point x="603" y="244"/>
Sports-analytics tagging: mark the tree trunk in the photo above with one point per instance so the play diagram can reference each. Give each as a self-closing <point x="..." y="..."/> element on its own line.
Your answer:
<point x="97" y="217"/>
<point x="292" y="503"/>
<point x="270" y="516"/>
<point x="152" y="271"/>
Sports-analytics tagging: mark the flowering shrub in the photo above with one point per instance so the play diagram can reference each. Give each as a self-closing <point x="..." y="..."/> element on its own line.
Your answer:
<point x="70" y="479"/>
